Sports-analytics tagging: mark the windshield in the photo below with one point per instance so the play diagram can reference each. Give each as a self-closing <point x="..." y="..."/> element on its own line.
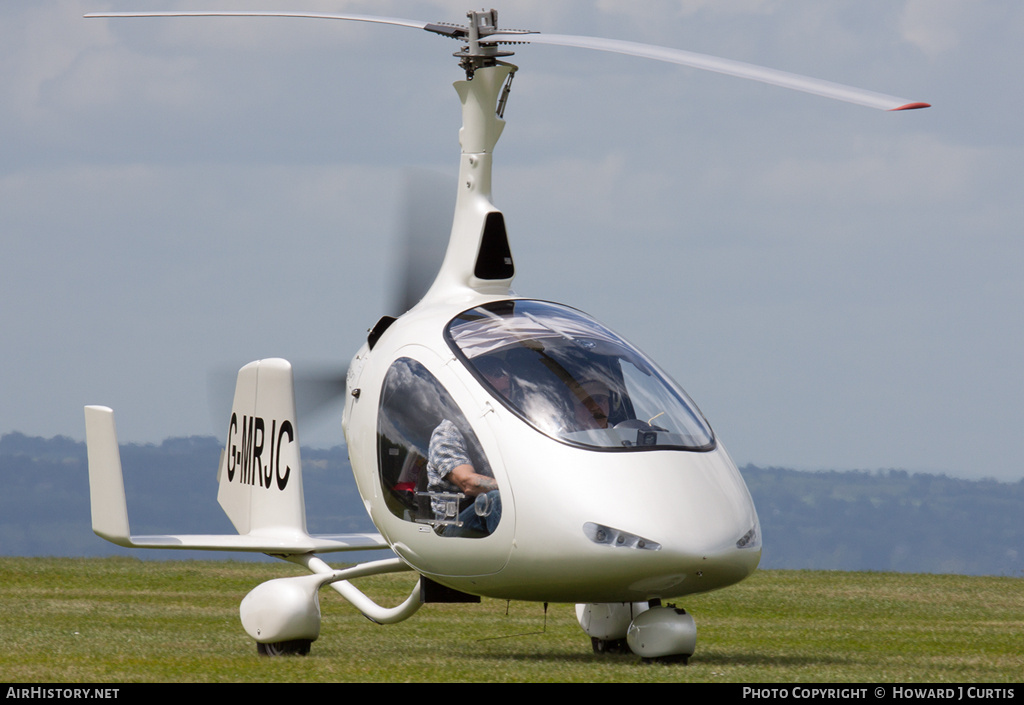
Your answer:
<point x="575" y="380"/>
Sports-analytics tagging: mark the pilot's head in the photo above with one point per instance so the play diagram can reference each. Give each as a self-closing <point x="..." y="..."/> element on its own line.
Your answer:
<point x="593" y="403"/>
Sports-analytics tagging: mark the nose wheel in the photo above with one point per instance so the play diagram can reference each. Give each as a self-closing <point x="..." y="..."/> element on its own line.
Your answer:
<point x="663" y="634"/>
<point x="655" y="633"/>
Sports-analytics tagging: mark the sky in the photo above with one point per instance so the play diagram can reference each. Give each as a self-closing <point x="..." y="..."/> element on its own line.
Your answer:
<point x="837" y="287"/>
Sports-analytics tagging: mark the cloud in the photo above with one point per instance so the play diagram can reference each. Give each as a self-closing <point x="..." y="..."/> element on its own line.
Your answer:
<point x="934" y="26"/>
<point x="201" y="178"/>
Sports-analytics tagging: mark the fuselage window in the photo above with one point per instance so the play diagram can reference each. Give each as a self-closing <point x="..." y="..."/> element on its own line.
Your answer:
<point x="575" y="380"/>
<point x="432" y="468"/>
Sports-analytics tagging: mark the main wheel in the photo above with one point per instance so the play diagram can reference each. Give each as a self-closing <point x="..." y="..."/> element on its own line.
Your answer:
<point x="295" y="647"/>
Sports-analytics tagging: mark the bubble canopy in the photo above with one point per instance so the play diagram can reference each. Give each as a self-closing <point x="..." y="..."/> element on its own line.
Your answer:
<point x="575" y="380"/>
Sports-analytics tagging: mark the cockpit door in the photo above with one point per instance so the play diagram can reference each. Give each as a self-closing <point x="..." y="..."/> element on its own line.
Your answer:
<point x="432" y="420"/>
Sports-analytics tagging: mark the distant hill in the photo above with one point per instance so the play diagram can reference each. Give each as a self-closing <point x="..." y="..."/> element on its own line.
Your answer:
<point x="171" y="488"/>
<point x="889" y="521"/>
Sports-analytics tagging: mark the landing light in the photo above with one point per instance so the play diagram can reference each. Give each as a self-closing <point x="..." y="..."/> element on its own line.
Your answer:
<point x="598" y="533"/>
<point x="749" y="539"/>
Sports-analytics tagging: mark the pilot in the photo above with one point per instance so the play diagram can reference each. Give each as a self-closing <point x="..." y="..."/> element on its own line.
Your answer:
<point x="450" y="469"/>
<point x="592" y="404"/>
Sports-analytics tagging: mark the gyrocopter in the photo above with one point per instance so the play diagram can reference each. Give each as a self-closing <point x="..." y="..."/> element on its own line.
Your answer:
<point x="504" y="447"/>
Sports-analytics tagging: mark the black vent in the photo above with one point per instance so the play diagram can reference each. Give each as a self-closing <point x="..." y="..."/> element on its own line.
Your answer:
<point x="378" y="330"/>
<point x="494" y="260"/>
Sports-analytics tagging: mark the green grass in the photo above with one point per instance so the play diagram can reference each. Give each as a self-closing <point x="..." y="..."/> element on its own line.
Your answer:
<point x="122" y="620"/>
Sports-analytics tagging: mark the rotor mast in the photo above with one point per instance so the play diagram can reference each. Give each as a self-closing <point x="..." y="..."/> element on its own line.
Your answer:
<point x="478" y="258"/>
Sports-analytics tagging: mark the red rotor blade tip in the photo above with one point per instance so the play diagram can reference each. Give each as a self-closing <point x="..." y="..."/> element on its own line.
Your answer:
<point x="912" y="106"/>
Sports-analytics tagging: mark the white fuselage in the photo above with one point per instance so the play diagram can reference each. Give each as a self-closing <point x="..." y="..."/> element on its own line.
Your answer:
<point x="693" y="504"/>
<point x="578" y="523"/>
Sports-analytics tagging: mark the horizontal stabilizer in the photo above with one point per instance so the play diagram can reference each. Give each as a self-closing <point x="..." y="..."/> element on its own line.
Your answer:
<point x="110" y="511"/>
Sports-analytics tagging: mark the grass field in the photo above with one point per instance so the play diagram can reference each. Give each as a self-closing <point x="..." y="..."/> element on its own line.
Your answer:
<point x="122" y="620"/>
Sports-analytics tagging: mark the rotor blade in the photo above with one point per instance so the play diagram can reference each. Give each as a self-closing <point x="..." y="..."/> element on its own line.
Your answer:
<point x="319" y="390"/>
<point x="312" y="15"/>
<point x="712" y="63"/>
<point x="428" y="206"/>
<point x="815" y="86"/>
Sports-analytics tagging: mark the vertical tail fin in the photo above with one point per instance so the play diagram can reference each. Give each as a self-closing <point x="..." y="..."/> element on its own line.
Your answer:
<point x="106" y="485"/>
<point x="260" y="471"/>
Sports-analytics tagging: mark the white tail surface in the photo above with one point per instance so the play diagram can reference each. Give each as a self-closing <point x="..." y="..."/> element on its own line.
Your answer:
<point x="260" y="476"/>
<point x="106" y="487"/>
<point x="260" y="470"/>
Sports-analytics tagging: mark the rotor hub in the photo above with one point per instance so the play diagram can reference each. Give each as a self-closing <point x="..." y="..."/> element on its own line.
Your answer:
<point x="474" y="55"/>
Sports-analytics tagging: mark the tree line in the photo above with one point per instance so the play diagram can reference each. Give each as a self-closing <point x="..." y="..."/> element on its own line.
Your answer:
<point x="887" y="520"/>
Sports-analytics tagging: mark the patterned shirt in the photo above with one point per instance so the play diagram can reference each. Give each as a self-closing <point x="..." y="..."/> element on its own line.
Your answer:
<point x="447" y="452"/>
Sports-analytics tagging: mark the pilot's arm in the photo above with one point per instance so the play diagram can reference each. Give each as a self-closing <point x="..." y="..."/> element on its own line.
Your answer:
<point x="470" y="482"/>
<point x="448" y="450"/>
